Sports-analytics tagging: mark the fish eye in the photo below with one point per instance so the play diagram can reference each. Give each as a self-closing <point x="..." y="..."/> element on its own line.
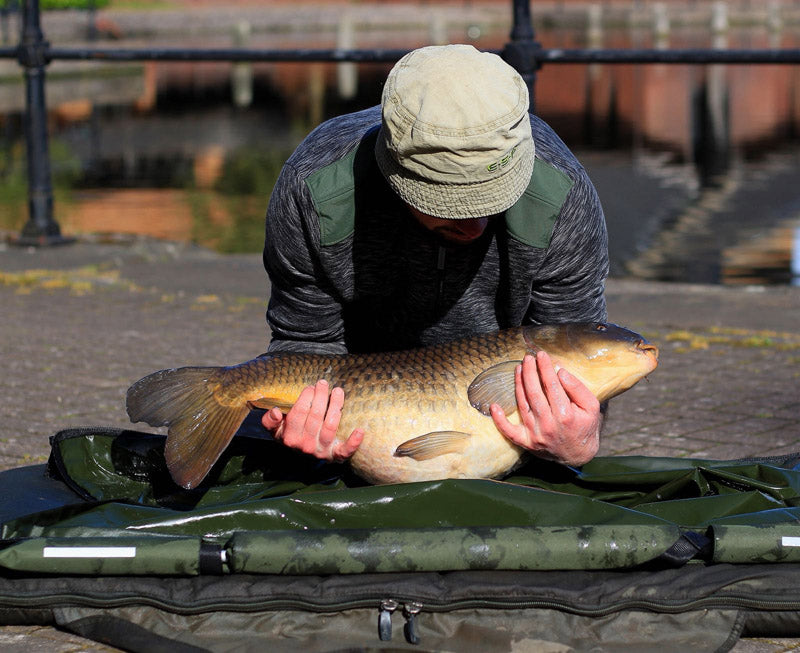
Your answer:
<point x="601" y="327"/>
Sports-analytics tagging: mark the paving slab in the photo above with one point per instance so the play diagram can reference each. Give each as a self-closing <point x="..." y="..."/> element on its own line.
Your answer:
<point x="79" y="323"/>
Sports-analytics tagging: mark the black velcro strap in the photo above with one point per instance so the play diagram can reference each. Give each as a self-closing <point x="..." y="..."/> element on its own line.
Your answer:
<point x="210" y="561"/>
<point x="688" y="546"/>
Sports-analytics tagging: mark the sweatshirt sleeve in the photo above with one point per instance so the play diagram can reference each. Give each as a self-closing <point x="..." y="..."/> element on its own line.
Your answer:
<point x="571" y="279"/>
<point x="303" y="313"/>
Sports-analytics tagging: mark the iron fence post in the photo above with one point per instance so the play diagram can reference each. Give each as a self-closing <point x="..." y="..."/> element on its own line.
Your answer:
<point x="522" y="50"/>
<point x="32" y="54"/>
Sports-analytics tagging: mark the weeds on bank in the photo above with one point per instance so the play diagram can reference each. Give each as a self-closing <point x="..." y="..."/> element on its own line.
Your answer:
<point x="79" y="281"/>
<point x="689" y="340"/>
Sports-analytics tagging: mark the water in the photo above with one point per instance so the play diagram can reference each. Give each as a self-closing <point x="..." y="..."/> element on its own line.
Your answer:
<point x="696" y="166"/>
<point x="665" y="225"/>
<point x="664" y="222"/>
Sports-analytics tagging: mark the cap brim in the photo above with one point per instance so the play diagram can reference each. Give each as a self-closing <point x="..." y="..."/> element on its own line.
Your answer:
<point x="458" y="201"/>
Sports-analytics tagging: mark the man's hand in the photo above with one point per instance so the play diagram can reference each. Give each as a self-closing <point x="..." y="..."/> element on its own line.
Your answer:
<point x="560" y="417"/>
<point x="312" y="422"/>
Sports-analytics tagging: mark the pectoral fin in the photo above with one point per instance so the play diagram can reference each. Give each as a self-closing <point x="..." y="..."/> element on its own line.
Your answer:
<point x="494" y="386"/>
<point x="433" y="444"/>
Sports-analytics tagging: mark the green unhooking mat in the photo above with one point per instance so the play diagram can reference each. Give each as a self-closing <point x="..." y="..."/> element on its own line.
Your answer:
<point x="278" y="552"/>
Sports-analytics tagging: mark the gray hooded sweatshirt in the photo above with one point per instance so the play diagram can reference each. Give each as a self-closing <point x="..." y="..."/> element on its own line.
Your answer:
<point x="351" y="270"/>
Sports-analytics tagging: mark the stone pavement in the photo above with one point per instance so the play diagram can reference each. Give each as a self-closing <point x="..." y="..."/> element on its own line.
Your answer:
<point x="79" y="323"/>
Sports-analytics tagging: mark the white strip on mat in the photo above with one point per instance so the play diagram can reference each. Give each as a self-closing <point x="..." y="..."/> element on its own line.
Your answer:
<point x="89" y="552"/>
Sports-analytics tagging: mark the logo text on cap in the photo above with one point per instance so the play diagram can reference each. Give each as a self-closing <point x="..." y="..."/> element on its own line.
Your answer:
<point x="502" y="162"/>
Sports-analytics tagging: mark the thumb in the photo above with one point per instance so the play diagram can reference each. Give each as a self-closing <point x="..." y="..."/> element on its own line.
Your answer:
<point x="272" y="418"/>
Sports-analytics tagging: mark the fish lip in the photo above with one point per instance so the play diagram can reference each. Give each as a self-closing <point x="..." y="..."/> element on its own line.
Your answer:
<point x="650" y="352"/>
<point x="647" y="347"/>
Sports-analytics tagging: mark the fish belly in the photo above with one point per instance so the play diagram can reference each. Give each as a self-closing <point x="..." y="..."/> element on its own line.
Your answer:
<point x="388" y="422"/>
<point x="398" y="396"/>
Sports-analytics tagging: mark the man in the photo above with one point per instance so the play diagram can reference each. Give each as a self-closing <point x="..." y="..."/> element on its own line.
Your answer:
<point x="447" y="211"/>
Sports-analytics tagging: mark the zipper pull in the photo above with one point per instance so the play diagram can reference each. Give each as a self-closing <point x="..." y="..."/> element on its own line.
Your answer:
<point x="411" y="610"/>
<point x="385" y="619"/>
<point x="441" y="255"/>
<point x="440" y="260"/>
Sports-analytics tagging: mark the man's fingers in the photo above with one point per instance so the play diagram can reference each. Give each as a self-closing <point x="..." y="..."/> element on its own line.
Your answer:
<point x="551" y="385"/>
<point x="319" y="407"/>
<point x="327" y="434"/>
<point x="559" y="416"/>
<point x="528" y="387"/>
<point x="311" y="424"/>
<point x="343" y="450"/>
<point x="536" y="413"/>
<point x="536" y="392"/>
<point x="296" y="418"/>
<point x="578" y="393"/>
<point x="310" y="438"/>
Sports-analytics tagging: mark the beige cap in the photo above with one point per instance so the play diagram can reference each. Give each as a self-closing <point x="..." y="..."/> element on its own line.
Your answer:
<point x="456" y="137"/>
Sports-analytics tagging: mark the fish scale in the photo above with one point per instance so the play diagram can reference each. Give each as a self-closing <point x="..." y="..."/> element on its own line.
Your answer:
<point x="424" y="411"/>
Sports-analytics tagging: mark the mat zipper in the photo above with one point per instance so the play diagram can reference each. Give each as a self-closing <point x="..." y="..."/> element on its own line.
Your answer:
<point x="382" y="604"/>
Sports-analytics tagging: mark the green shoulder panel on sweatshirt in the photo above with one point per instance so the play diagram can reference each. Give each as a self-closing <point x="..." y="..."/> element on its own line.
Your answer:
<point x="332" y="190"/>
<point x="532" y="219"/>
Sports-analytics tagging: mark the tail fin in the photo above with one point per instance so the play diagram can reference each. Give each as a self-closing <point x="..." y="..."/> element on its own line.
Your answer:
<point x="199" y="426"/>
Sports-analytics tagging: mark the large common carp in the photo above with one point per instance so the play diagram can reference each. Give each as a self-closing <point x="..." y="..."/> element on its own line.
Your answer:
<point x="425" y="412"/>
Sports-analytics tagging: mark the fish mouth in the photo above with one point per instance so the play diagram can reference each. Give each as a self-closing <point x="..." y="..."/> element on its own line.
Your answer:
<point x="650" y="351"/>
<point x="647" y="347"/>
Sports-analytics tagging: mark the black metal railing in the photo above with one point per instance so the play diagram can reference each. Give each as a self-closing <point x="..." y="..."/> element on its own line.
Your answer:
<point x="522" y="51"/>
